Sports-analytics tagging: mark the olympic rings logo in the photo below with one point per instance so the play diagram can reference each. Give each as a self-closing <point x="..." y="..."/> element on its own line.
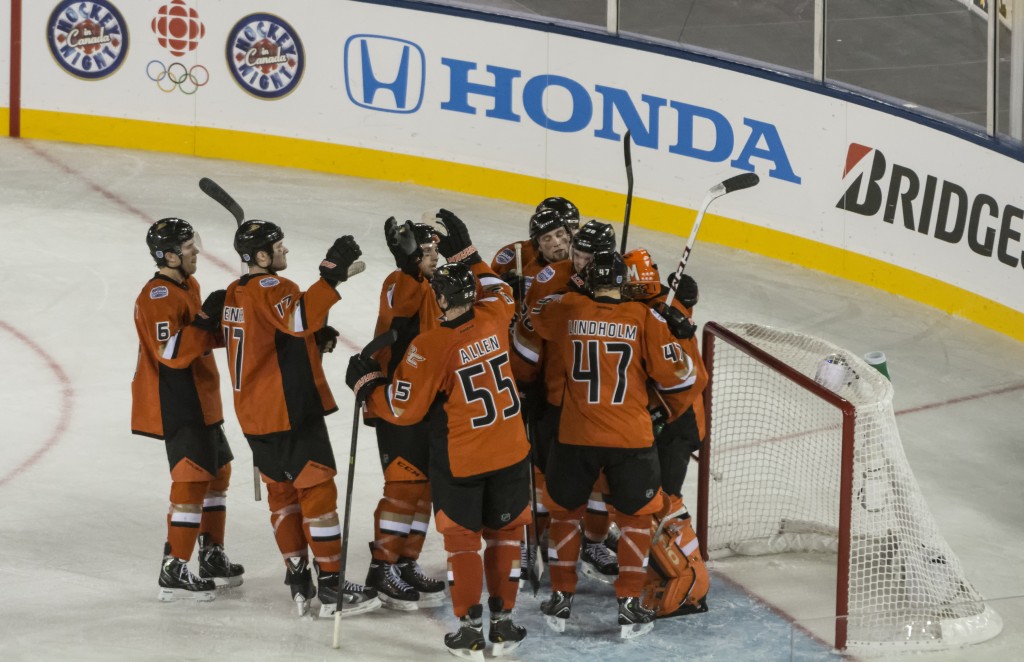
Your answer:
<point x="176" y="75"/>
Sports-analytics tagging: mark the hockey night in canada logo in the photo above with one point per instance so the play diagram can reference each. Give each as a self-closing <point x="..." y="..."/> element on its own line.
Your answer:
<point x="931" y="206"/>
<point x="265" y="56"/>
<point x="89" y="40"/>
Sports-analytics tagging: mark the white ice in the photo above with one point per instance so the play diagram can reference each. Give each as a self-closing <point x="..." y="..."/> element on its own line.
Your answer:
<point x="83" y="502"/>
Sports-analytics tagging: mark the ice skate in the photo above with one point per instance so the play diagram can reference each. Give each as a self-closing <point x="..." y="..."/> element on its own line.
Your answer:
<point x="468" y="642"/>
<point x="356" y="598"/>
<point x="214" y="564"/>
<point x="634" y="620"/>
<point x="503" y="633"/>
<point x="178" y="583"/>
<point x="431" y="590"/>
<point x="556" y="610"/>
<point x="300" y="581"/>
<point x="598" y="562"/>
<point x="392" y="589"/>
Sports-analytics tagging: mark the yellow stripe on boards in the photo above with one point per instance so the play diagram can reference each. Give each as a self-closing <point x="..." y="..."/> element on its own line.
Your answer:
<point x="5" y="122"/>
<point x="487" y="182"/>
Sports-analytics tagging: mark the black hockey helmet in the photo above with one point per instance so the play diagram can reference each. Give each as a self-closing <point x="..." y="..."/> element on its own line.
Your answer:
<point x="424" y="233"/>
<point x="545" y="221"/>
<point x="456" y="282"/>
<point x="166" y="236"/>
<point x="567" y="209"/>
<point x="254" y="236"/>
<point x="594" y="237"/>
<point x="606" y="271"/>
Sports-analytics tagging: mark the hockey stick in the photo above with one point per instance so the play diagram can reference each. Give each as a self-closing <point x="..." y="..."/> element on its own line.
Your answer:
<point x="736" y="183"/>
<point x="533" y="573"/>
<point x="213" y="189"/>
<point x="221" y="197"/>
<point x="626" y="140"/>
<point x="375" y="345"/>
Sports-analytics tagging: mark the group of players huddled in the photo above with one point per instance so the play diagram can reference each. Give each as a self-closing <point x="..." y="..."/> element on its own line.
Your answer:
<point x="541" y="397"/>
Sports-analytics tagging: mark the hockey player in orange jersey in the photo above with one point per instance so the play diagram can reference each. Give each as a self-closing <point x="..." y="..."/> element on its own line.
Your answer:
<point x="281" y="399"/>
<point x="540" y="374"/>
<point x="611" y="348"/>
<point x="677" y="581"/>
<point x="176" y="397"/>
<point x="459" y="376"/>
<point x="402" y="516"/>
<point x="504" y="262"/>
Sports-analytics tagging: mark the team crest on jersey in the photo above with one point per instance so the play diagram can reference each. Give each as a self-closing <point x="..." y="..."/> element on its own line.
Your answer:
<point x="505" y="256"/>
<point x="265" y="56"/>
<point x="89" y="40"/>
<point x="413" y="357"/>
<point x="158" y="292"/>
<point x="546" y="274"/>
<point x="269" y="281"/>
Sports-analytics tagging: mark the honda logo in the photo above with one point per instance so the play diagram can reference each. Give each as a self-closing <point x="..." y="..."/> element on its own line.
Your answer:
<point x="384" y="73"/>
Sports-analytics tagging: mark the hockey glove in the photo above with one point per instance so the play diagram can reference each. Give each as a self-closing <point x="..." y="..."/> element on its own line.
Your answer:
<point x="686" y="290"/>
<point x="326" y="339"/>
<point x="680" y="327"/>
<point x="340" y="256"/>
<point x="659" y="418"/>
<point x="363" y="375"/>
<point x="213" y="308"/>
<point x="403" y="245"/>
<point x="455" y="244"/>
<point x="515" y="281"/>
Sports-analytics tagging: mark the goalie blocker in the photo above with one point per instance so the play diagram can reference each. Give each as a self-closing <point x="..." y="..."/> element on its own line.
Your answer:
<point x="677" y="580"/>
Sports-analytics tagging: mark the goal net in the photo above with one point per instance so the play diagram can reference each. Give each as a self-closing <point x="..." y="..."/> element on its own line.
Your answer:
<point x="792" y="466"/>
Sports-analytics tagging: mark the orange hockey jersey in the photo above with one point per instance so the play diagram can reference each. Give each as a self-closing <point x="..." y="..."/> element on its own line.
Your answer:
<point x="678" y="402"/>
<point x="505" y="259"/>
<point x="408" y="306"/>
<point x="276" y="371"/>
<point x="530" y="360"/>
<point x="176" y="381"/>
<point x="459" y="376"/>
<point x="610" y="348"/>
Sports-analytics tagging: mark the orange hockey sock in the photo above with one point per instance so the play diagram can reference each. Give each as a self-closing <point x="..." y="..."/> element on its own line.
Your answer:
<point x="501" y="563"/>
<point x="286" y="518"/>
<point x="393" y="519"/>
<point x="420" y="522"/>
<point x="465" y="570"/>
<point x="564" y="548"/>
<point x="320" y="523"/>
<point x="634" y="545"/>
<point x="215" y="506"/>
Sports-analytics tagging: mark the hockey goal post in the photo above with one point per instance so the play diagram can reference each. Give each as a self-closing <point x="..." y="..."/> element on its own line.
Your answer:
<point x="789" y="465"/>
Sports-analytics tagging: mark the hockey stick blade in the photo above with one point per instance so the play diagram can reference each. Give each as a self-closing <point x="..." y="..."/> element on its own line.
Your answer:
<point x="213" y="189"/>
<point x="740" y="182"/>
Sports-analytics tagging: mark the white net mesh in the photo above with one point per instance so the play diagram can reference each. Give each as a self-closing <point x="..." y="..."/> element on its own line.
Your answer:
<point x="776" y="462"/>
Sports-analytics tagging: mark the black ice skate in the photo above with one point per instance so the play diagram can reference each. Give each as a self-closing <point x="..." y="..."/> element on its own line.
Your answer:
<point x="214" y="564"/>
<point x="356" y="598"/>
<point x="392" y="589"/>
<point x="468" y="642"/>
<point x="556" y="610"/>
<point x="431" y="590"/>
<point x="634" y="619"/>
<point x="503" y="633"/>
<point x="300" y="581"/>
<point x="598" y="562"/>
<point x="178" y="583"/>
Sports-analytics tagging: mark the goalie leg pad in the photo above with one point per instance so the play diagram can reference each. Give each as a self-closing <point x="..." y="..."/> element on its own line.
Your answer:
<point x="677" y="579"/>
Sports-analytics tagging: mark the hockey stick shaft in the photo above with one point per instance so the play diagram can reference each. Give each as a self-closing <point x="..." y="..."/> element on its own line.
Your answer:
<point x="628" y="154"/>
<point x="532" y="577"/>
<point x="378" y="343"/>
<point x="737" y="183"/>
<point x="221" y="197"/>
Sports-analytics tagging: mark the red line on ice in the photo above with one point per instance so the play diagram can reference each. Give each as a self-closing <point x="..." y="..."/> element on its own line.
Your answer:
<point x="66" y="405"/>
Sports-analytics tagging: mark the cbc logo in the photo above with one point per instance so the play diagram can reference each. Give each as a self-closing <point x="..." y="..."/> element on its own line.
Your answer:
<point x="176" y="75"/>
